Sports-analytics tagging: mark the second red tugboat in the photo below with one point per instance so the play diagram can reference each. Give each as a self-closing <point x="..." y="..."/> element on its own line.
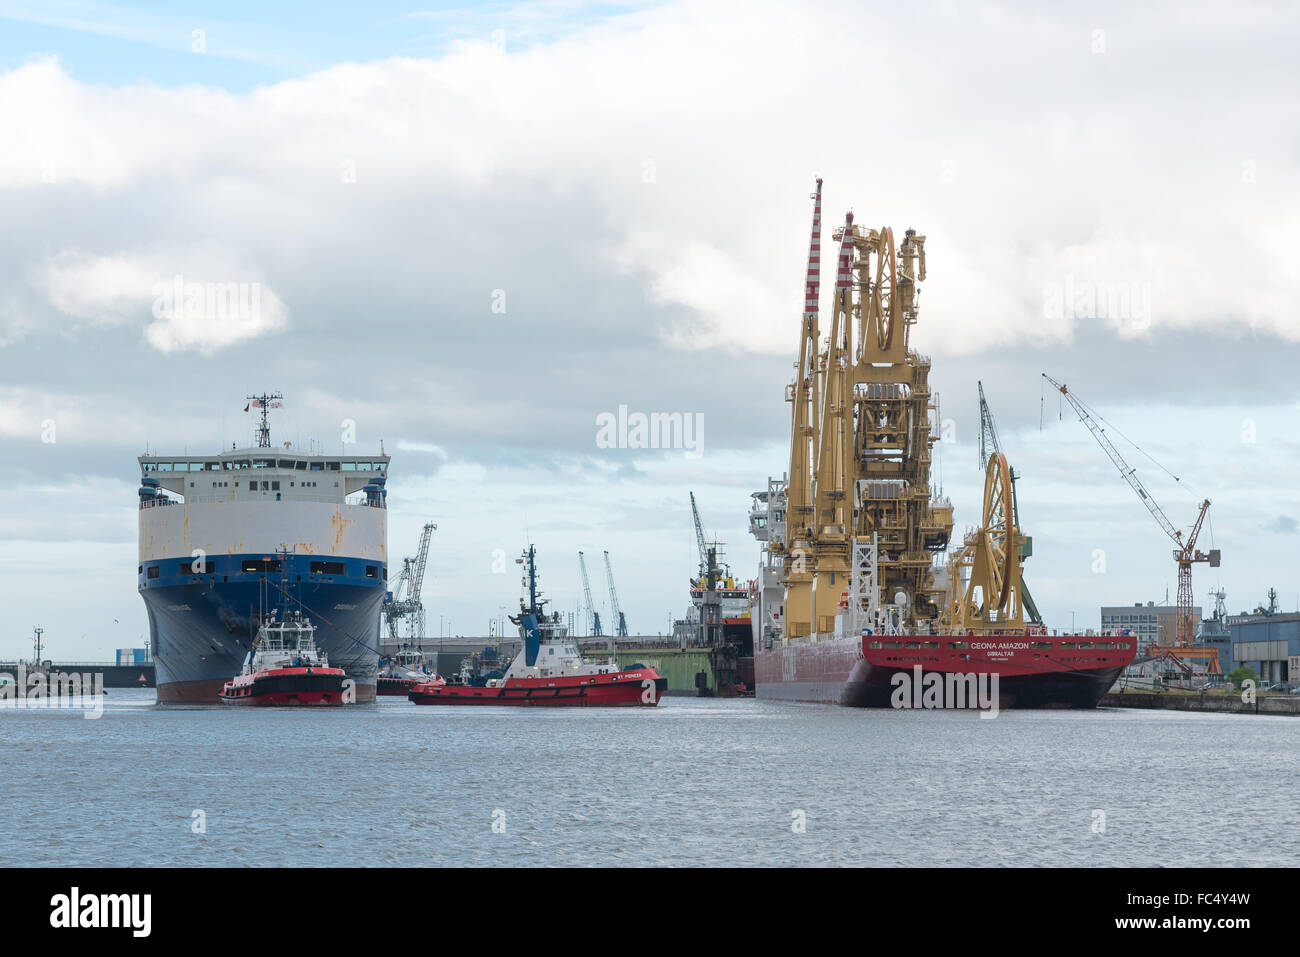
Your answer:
<point x="550" y="670"/>
<point x="284" y="668"/>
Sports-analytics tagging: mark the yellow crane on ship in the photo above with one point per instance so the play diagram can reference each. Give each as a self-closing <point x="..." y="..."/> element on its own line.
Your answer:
<point x="861" y="436"/>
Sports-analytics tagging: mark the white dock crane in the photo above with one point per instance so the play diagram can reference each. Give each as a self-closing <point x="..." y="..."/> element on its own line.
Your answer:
<point x="405" y="604"/>
<point x="593" y="616"/>
<point x="620" y="628"/>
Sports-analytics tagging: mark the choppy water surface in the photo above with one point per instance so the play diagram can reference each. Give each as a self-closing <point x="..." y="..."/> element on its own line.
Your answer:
<point x="691" y="782"/>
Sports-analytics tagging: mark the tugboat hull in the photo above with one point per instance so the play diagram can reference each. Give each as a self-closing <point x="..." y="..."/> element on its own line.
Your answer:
<point x="642" y="688"/>
<point x="288" y="687"/>
<point x="395" y="686"/>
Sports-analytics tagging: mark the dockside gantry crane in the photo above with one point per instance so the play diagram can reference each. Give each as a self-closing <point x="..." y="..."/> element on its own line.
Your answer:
<point x="620" y="623"/>
<point x="593" y="616"/>
<point x="1185" y="551"/>
<point x="405" y="603"/>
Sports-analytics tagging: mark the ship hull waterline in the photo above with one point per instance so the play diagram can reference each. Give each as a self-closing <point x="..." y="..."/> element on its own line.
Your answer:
<point x="841" y="671"/>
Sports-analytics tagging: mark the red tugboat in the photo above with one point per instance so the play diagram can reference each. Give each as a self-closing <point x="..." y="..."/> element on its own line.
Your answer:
<point x="285" y="669"/>
<point x="550" y="670"/>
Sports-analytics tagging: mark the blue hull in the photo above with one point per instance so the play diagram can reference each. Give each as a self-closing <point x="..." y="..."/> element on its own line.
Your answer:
<point x="201" y="625"/>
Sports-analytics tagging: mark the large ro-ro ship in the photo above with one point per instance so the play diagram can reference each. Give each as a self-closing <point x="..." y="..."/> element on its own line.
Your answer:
<point x="860" y="589"/>
<point x="215" y="529"/>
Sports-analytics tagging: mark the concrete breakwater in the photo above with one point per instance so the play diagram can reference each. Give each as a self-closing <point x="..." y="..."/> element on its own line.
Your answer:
<point x="1230" y="703"/>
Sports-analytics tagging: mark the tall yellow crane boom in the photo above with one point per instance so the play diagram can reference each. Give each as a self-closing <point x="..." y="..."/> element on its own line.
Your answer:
<point x="797" y="557"/>
<point x="861" y="438"/>
<point x="1185" y="552"/>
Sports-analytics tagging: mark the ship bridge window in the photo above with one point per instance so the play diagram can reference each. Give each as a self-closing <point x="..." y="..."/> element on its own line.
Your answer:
<point x="301" y="466"/>
<point x="263" y="463"/>
<point x="333" y="466"/>
<point x="153" y="572"/>
<point x="327" y="568"/>
<point x="1067" y="644"/>
<point x="287" y="464"/>
<point x="1041" y="645"/>
<point x="318" y="466"/>
<point x="958" y="644"/>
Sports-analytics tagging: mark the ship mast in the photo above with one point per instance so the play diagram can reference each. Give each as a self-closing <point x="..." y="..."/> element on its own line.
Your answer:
<point x="263" y="403"/>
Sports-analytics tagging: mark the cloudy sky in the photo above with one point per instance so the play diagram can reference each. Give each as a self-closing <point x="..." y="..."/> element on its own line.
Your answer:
<point x="473" y="231"/>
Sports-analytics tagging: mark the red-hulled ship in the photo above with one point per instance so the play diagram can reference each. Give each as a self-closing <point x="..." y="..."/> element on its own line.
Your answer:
<point x="549" y="671"/>
<point x="285" y="669"/>
<point x="1033" y="670"/>
<point x="860" y="601"/>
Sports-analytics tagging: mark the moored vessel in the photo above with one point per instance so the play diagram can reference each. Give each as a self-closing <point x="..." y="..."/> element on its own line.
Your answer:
<point x="549" y="670"/>
<point x="861" y="598"/>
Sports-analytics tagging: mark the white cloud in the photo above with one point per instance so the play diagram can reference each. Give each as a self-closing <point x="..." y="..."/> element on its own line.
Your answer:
<point x="198" y="299"/>
<point x="1024" y="157"/>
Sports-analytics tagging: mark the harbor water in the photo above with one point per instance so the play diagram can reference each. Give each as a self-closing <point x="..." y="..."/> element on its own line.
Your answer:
<point x="692" y="782"/>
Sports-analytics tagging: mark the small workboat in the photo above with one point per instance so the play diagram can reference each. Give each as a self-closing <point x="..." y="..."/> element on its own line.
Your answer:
<point x="403" y="671"/>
